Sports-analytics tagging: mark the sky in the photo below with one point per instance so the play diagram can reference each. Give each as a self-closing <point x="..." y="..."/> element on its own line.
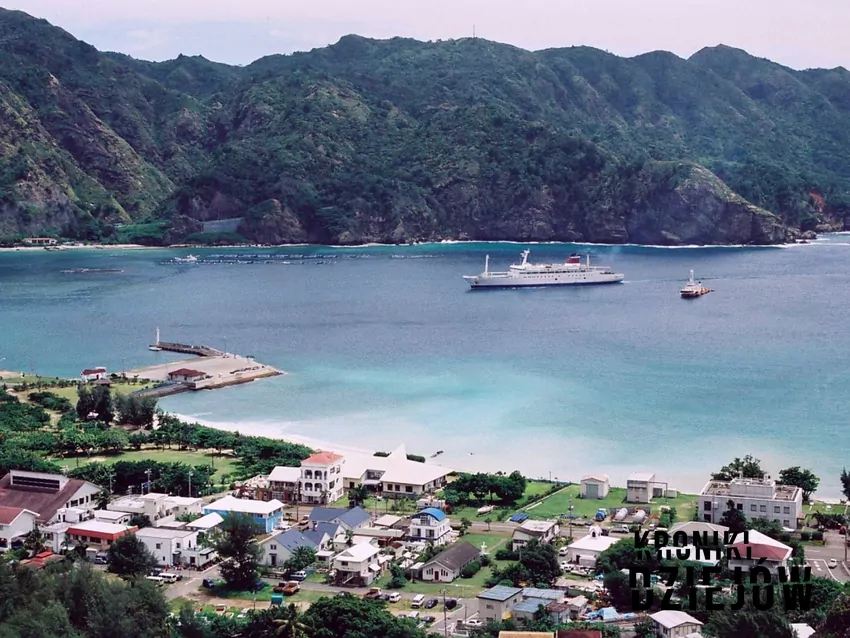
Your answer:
<point x="797" y="33"/>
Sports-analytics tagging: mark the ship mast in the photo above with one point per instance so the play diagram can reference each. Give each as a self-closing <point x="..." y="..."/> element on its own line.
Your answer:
<point x="486" y="264"/>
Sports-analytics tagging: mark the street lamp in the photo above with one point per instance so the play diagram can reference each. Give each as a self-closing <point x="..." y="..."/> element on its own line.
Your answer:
<point x="445" y="615"/>
<point x="570" y="515"/>
<point x="190" y="483"/>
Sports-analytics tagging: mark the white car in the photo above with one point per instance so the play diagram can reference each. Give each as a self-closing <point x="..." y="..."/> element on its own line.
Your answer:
<point x="832" y="563"/>
<point x="565" y="566"/>
<point x="474" y="622"/>
<point x="394" y="597"/>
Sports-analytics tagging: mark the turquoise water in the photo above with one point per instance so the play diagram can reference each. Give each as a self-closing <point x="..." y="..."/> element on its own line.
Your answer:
<point x="386" y="345"/>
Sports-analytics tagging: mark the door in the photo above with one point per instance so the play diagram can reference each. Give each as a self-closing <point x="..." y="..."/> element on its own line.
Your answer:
<point x="592" y="490"/>
<point x="273" y="560"/>
<point x="436" y="575"/>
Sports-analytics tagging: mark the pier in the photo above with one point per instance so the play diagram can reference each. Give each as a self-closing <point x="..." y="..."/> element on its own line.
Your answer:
<point x="211" y="369"/>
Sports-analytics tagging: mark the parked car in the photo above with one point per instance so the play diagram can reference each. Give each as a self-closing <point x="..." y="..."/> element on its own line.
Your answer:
<point x="344" y="594"/>
<point x="473" y="622"/>
<point x="292" y="587"/>
<point x="451" y="603"/>
<point x="384" y="597"/>
<point x="431" y="603"/>
<point x="620" y="529"/>
<point x="832" y="563"/>
<point x="563" y="551"/>
<point x="299" y="575"/>
<point x="429" y="619"/>
<point x="374" y="592"/>
<point x="565" y="566"/>
<point x="209" y="583"/>
<point x="394" y="597"/>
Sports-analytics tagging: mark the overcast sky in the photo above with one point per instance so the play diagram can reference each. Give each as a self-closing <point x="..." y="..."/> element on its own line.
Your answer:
<point x="797" y="33"/>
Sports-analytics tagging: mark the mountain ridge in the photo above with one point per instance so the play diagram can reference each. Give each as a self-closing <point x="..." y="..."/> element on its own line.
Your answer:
<point x="400" y="140"/>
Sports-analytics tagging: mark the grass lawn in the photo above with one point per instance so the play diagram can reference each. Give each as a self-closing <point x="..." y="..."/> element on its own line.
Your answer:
<point x="117" y="388"/>
<point x="493" y="541"/>
<point x="532" y="489"/>
<point x="559" y="503"/>
<point x="222" y="464"/>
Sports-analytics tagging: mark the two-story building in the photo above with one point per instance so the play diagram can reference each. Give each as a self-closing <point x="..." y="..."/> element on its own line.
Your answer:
<point x="266" y="514"/>
<point x="755" y="498"/>
<point x="670" y="623"/>
<point x="639" y="487"/>
<point x="284" y="484"/>
<point x="96" y="533"/>
<point x="497" y="603"/>
<point x="15" y="524"/>
<point x="173" y="547"/>
<point x="159" y="508"/>
<point x="543" y="531"/>
<point x="430" y="525"/>
<point x="357" y="566"/>
<point x="279" y="548"/>
<point x="321" y="478"/>
<point x="754" y="548"/>
<point x="48" y="495"/>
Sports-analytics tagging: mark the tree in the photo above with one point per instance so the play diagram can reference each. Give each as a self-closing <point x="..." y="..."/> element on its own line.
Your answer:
<point x="845" y="483"/>
<point x="465" y="524"/>
<point x="239" y="551"/>
<point x="356" y="617"/>
<point x="141" y="521"/>
<point x="733" y="518"/>
<point x="766" y="527"/>
<point x="625" y="555"/>
<point x="290" y="626"/>
<point x="358" y="495"/>
<point x="749" y="466"/>
<point x="617" y="584"/>
<point x="34" y="541"/>
<point x="300" y="559"/>
<point x="748" y="621"/>
<point x="95" y="399"/>
<point x="397" y="581"/>
<point x="804" y="479"/>
<point x="128" y="557"/>
<point x="541" y="561"/>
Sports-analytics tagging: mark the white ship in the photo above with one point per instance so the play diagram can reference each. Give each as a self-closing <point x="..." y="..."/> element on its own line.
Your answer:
<point x="571" y="273"/>
<point x="693" y="289"/>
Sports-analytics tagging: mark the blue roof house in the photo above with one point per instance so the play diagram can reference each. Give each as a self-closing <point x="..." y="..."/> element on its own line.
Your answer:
<point x="431" y="525"/>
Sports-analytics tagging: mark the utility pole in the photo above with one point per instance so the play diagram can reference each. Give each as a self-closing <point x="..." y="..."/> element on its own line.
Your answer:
<point x="148" y="472"/>
<point x="445" y="615"/>
<point x="190" y="483"/>
<point x="570" y="515"/>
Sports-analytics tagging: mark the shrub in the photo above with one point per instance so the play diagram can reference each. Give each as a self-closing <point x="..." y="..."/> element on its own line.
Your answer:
<point x="506" y="554"/>
<point x="785" y="537"/>
<point x="485" y="560"/>
<point x="470" y="570"/>
<point x="804" y="536"/>
<point x="817" y="536"/>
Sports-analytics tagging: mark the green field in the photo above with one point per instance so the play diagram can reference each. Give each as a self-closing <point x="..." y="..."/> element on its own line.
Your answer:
<point x="559" y="503"/>
<point x="70" y="393"/>
<point x="222" y="464"/>
<point x="532" y="489"/>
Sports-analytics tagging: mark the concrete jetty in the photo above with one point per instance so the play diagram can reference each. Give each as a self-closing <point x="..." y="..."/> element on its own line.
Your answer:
<point x="201" y="351"/>
<point x="212" y="369"/>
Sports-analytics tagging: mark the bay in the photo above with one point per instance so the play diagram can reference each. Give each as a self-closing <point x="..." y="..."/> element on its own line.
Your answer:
<point x="386" y="345"/>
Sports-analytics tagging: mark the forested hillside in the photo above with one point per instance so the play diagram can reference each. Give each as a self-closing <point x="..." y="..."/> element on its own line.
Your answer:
<point x="400" y="140"/>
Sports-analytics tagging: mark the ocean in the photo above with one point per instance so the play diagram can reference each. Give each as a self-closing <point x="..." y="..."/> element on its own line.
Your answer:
<point x="385" y="345"/>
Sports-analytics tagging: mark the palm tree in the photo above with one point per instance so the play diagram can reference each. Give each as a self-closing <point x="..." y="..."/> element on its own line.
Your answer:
<point x="290" y="626"/>
<point x="34" y="541"/>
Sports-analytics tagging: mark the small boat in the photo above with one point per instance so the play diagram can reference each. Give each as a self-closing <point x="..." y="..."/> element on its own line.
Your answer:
<point x="188" y="259"/>
<point x="693" y="289"/>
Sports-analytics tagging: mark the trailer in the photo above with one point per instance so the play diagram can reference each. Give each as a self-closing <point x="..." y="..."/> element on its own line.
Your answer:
<point x="621" y="514"/>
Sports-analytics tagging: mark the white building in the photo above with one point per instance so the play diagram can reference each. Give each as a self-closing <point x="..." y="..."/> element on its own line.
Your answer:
<point x="47" y="494"/>
<point x="674" y="624"/>
<point x="108" y="516"/>
<point x="430" y="525"/>
<point x="586" y="550"/>
<point x="173" y="547"/>
<point x="357" y="566"/>
<point x="96" y="533"/>
<point x="266" y="514"/>
<point x="595" y="486"/>
<point x="755" y="498"/>
<point x="94" y="374"/>
<point x="278" y="549"/>
<point x="802" y="630"/>
<point x="448" y="564"/>
<point x="543" y="531"/>
<point x="206" y="524"/>
<point x="159" y="508"/>
<point x="639" y="487"/>
<point x="394" y="475"/>
<point x="321" y="478"/>
<point x="284" y="483"/>
<point x="15" y="524"/>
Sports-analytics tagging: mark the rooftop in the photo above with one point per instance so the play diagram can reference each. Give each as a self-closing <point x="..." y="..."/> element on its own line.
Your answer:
<point x="643" y="477"/>
<point x="433" y="512"/>
<point x="760" y="546"/>
<point x="738" y="486"/>
<point x="540" y="527"/>
<point x="322" y="458"/>
<point x="282" y="474"/>
<point x="293" y="539"/>
<point x="187" y="372"/>
<point x="185" y="501"/>
<point x="206" y="522"/>
<point x="351" y="517"/>
<point x="699" y="527"/>
<point x="99" y="527"/>
<point x="109" y="515"/>
<point x="669" y="618"/>
<point x="9" y="514"/>
<point x="456" y="556"/>
<point x="802" y="630"/>
<point x="163" y="532"/>
<point x="595" y="477"/>
<point x="387" y="520"/>
<point x="530" y="605"/>
<point x="548" y="594"/>
<point x="500" y="593"/>
<point x="359" y="552"/>
<point x="38" y="492"/>
<point x="395" y="468"/>
<point x="594" y="543"/>
<point x="244" y="506"/>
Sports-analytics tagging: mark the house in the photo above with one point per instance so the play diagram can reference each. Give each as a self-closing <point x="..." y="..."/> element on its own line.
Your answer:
<point x="525" y="610"/>
<point x="283" y="483"/>
<point x="279" y="548"/>
<point x="208" y="524"/>
<point x="97" y="533"/>
<point x="578" y="633"/>
<point x="430" y="525"/>
<point x="549" y="595"/>
<point x="348" y="519"/>
<point x="159" y="508"/>
<point x="390" y="521"/>
<point x="394" y="475"/>
<point x="266" y="514"/>
<point x="15" y="524"/>
<point x="321" y="478"/>
<point x="172" y="547"/>
<point x="448" y="564"/>
<point x="543" y="531"/>
<point x="107" y="516"/>
<point x="357" y="566"/>
<point x="759" y="549"/>
<point x="586" y="550"/>
<point x="802" y="630"/>
<point x="186" y="375"/>
<point x="53" y="497"/>
<point x="577" y="605"/>
<point x="595" y="486"/>
<point x="559" y="613"/>
<point x="94" y="374"/>
<point x="674" y="624"/>
<point x="755" y="498"/>
<point x="705" y="530"/>
<point x="497" y="603"/>
<point x="639" y="487"/>
<point x="40" y="241"/>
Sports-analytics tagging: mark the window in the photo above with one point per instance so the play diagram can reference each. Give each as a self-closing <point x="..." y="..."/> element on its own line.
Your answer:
<point x="753" y="507"/>
<point x="706" y="505"/>
<point x="762" y="508"/>
<point x="489" y="606"/>
<point x="776" y="509"/>
<point x="409" y="489"/>
<point x="273" y="547"/>
<point x="345" y="563"/>
<point x="159" y="545"/>
<point x="178" y="544"/>
<point x="786" y="510"/>
<point x="786" y="523"/>
<point x="740" y="506"/>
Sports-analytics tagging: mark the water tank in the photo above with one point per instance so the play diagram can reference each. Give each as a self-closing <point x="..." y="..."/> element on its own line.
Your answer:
<point x="621" y="514"/>
<point x="640" y="515"/>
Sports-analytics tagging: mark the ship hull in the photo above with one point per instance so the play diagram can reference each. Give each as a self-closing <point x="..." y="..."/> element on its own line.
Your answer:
<point x="481" y="283"/>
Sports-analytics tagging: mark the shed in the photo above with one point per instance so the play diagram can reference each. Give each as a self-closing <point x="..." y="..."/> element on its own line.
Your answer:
<point x="595" y="486"/>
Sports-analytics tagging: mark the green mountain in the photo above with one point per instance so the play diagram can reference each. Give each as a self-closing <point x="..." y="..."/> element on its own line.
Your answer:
<point x="401" y="140"/>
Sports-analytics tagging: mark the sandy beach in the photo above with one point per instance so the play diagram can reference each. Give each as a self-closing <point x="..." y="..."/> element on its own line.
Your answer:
<point x="80" y="247"/>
